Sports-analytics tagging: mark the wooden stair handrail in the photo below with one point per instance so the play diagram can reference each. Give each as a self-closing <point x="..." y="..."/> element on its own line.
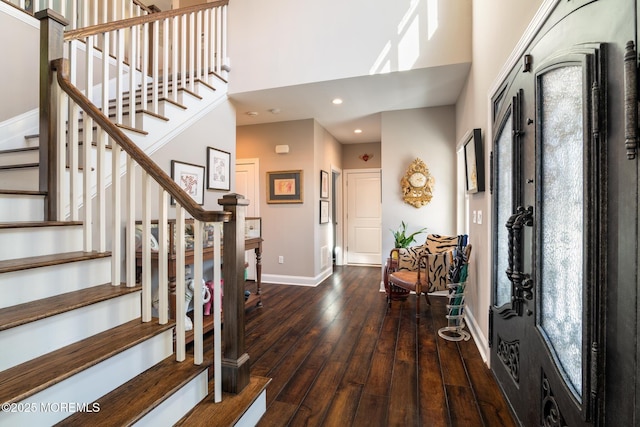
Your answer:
<point x="138" y="20"/>
<point x="61" y="66"/>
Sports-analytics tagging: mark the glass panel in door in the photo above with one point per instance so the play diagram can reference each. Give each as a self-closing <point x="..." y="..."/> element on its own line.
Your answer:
<point x="561" y="227"/>
<point x="504" y="200"/>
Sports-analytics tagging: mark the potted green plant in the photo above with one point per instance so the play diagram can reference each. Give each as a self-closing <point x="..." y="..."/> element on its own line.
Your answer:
<point x="402" y="240"/>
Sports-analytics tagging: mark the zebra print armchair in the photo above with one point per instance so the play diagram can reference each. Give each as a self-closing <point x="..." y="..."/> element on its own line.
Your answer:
<point x="421" y="269"/>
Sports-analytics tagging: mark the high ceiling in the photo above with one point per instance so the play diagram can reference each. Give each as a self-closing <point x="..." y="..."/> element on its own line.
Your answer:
<point x="364" y="98"/>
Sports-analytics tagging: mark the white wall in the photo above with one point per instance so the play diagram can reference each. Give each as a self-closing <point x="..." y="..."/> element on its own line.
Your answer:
<point x="352" y="153"/>
<point x="288" y="229"/>
<point x="292" y="230"/>
<point x="491" y="49"/>
<point x="428" y="134"/>
<point x="216" y="129"/>
<point x="296" y="42"/>
<point x="19" y="74"/>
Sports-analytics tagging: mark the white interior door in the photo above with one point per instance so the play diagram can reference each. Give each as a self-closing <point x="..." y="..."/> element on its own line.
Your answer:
<point x="363" y="217"/>
<point x="247" y="184"/>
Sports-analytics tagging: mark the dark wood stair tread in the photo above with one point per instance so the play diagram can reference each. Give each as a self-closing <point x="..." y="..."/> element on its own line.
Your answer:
<point x="21" y="314"/>
<point x="48" y="260"/>
<point x="23" y="192"/>
<point x="132" y="129"/>
<point x="24" y="380"/>
<point x="19" y="150"/>
<point x="33" y="224"/>
<point x="131" y="401"/>
<point x="227" y="412"/>
<point x="20" y="166"/>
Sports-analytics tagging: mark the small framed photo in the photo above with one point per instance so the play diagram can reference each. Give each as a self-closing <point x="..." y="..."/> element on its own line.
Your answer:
<point x="324" y="211"/>
<point x="474" y="162"/>
<point x="218" y="169"/>
<point x="284" y="187"/>
<point x="190" y="178"/>
<point x="324" y="184"/>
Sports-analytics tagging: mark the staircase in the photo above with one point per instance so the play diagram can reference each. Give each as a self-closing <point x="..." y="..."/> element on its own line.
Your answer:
<point x="79" y="346"/>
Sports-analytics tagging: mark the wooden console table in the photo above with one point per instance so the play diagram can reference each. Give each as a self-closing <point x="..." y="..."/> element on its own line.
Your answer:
<point x="255" y="299"/>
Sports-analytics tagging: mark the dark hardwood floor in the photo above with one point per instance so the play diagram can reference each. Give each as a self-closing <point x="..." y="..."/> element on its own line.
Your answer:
<point x="338" y="357"/>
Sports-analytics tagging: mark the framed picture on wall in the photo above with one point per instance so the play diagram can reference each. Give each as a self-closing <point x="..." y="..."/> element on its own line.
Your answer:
<point x="284" y="187"/>
<point x="324" y="211"/>
<point x="218" y="169"/>
<point x="324" y="184"/>
<point x="190" y="178"/>
<point x="474" y="163"/>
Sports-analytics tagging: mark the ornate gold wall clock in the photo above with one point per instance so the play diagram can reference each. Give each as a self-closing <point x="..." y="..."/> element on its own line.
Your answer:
<point x="417" y="184"/>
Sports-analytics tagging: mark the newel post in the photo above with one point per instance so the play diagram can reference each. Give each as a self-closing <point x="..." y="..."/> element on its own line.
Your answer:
<point x="235" y="361"/>
<point x="51" y="47"/>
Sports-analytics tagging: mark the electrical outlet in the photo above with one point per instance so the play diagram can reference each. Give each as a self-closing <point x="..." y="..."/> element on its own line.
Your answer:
<point x="280" y="259"/>
<point x="479" y="217"/>
<point x="473" y="217"/>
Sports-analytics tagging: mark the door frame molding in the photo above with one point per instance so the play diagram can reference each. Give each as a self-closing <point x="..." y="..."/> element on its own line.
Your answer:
<point x="495" y="88"/>
<point x="339" y="213"/>
<point x="527" y="37"/>
<point x="256" y="180"/>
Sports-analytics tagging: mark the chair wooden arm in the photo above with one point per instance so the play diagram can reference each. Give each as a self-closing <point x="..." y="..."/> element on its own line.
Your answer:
<point x="393" y="261"/>
<point x="390" y="266"/>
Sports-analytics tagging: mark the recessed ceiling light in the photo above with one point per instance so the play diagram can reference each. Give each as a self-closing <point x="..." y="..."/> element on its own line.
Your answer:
<point x="251" y="113"/>
<point x="357" y="131"/>
<point x="337" y="101"/>
<point x="275" y="111"/>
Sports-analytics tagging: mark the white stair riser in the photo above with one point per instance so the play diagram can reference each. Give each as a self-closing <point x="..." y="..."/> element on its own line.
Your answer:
<point x="94" y="159"/>
<point x="19" y="179"/>
<point x="186" y="98"/>
<point x="32" y="140"/>
<point x="143" y="120"/>
<point x="43" y="336"/>
<point x="18" y="287"/>
<point x="253" y="414"/>
<point x="204" y="90"/>
<point x="175" y="407"/>
<point x="19" y="157"/>
<point x="17" y="208"/>
<point x="87" y="386"/>
<point x="27" y="178"/>
<point x="166" y="109"/>
<point x="35" y="241"/>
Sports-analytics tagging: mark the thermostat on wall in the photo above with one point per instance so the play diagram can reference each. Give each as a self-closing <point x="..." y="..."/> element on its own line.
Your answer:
<point x="282" y="149"/>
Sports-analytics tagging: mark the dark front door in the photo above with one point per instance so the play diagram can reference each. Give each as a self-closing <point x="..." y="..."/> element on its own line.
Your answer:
<point x="558" y="159"/>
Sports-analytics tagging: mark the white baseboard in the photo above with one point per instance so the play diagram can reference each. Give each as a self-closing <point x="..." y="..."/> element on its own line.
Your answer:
<point x="13" y="131"/>
<point x="297" y="280"/>
<point x="481" y="341"/>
